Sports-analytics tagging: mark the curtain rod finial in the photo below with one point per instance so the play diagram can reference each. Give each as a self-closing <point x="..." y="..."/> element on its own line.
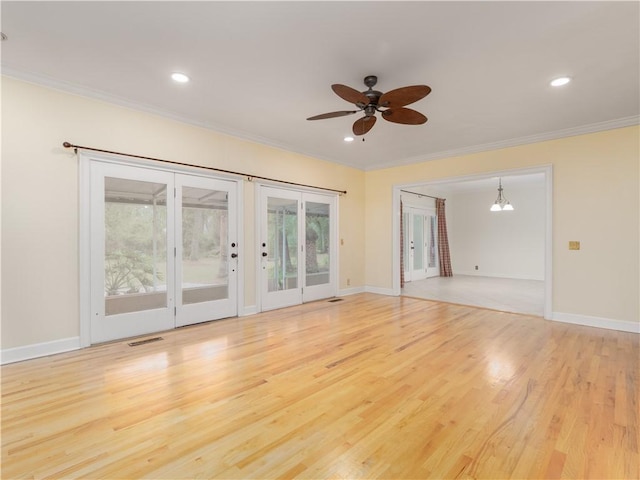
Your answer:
<point x="66" y="144"/>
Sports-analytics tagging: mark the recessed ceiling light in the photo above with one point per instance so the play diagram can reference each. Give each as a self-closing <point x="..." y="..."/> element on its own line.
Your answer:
<point x="558" y="82"/>
<point x="179" y="77"/>
<point x="348" y="139"/>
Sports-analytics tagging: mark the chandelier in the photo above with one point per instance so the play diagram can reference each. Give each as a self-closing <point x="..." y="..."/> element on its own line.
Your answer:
<point x="501" y="202"/>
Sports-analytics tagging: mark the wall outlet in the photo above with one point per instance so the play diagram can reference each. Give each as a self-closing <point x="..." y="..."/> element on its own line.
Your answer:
<point x="574" y="245"/>
<point x="348" y="282"/>
<point x="476" y="267"/>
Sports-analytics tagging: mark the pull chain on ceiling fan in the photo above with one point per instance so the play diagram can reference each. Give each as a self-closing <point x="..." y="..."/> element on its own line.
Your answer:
<point x="371" y="101"/>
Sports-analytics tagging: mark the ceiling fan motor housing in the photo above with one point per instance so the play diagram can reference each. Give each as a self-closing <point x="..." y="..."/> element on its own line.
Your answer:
<point x="372" y="95"/>
<point x="370" y="81"/>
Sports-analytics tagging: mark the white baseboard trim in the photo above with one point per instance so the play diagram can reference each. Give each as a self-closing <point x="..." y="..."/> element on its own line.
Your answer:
<point x="379" y="290"/>
<point x="344" y="292"/>
<point x="28" y="352"/>
<point x="474" y="273"/>
<point x="597" y="322"/>
<point x="248" y="310"/>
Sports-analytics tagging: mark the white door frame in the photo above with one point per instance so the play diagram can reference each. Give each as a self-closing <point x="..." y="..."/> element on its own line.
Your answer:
<point x="85" y="157"/>
<point x="548" y="262"/>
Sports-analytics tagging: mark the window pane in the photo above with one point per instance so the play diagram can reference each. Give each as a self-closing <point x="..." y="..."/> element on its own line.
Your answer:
<point x="135" y="245"/>
<point x="317" y="254"/>
<point x="204" y="245"/>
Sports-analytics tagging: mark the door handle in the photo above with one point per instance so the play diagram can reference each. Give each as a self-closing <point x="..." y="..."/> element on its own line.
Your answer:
<point x="264" y="254"/>
<point x="234" y="255"/>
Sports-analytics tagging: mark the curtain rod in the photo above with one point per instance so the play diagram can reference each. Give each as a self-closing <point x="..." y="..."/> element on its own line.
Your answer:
<point x="423" y="195"/>
<point x="249" y="176"/>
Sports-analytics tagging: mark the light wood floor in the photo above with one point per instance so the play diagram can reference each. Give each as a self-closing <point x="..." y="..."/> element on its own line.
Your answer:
<point x="505" y="294"/>
<point x="368" y="387"/>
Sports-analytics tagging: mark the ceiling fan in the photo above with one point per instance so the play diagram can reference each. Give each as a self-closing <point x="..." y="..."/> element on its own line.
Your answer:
<point x="371" y="101"/>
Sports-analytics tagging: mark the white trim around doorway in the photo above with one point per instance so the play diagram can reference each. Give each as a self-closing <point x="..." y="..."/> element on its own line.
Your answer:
<point x="548" y="172"/>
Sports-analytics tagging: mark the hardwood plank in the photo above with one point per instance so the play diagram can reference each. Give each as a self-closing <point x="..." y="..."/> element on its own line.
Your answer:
<point x="370" y="387"/>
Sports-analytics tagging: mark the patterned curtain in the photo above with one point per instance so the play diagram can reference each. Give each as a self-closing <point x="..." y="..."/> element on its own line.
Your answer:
<point x="443" y="240"/>
<point x="401" y="246"/>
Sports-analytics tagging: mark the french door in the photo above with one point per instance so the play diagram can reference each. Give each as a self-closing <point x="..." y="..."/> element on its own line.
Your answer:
<point x="207" y="249"/>
<point x="298" y="247"/>
<point x="163" y="250"/>
<point x="420" y="243"/>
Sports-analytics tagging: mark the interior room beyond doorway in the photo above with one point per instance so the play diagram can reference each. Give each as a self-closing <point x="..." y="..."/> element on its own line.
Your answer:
<point x="499" y="259"/>
<point x="505" y="294"/>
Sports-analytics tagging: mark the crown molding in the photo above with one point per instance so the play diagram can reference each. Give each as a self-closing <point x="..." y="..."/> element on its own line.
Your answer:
<point x="68" y="87"/>
<point x="514" y="142"/>
<point x="93" y="94"/>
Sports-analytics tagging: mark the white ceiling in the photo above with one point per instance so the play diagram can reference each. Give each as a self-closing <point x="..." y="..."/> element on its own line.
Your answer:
<point x="259" y="69"/>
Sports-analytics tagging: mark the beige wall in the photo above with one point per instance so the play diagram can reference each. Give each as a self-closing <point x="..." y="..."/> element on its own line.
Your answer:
<point x="595" y="201"/>
<point x="40" y="205"/>
<point x="40" y="197"/>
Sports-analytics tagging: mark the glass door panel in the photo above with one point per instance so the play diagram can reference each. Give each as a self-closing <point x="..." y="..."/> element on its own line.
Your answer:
<point x="204" y="245"/>
<point x="282" y="259"/>
<point x="135" y="260"/>
<point x="317" y="243"/>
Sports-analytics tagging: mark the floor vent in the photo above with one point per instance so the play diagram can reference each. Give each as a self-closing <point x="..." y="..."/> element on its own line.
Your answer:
<point x="146" y="340"/>
<point x="335" y="300"/>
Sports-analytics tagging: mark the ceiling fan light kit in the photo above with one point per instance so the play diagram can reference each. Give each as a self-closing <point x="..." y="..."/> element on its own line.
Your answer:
<point x="391" y="105"/>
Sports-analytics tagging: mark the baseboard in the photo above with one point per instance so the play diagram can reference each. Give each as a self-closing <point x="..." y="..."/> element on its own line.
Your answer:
<point x="18" y="354"/>
<point x="248" y="310"/>
<point x="343" y="292"/>
<point x="597" y="322"/>
<point x="379" y="290"/>
<point x="474" y="273"/>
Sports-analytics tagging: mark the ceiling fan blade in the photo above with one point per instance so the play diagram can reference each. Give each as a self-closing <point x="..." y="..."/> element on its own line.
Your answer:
<point x="333" y="114"/>
<point x="363" y="125"/>
<point x="403" y="96"/>
<point x="349" y="94"/>
<point x="406" y="116"/>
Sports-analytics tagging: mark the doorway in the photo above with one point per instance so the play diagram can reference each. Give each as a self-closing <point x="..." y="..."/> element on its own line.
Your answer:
<point x="543" y="206"/>
<point x="298" y="247"/>
<point x="163" y="250"/>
